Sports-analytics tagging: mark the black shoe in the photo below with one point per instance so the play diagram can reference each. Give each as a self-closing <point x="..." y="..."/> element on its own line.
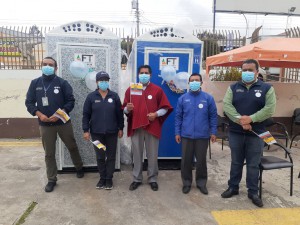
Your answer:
<point x="186" y="189"/>
<point x="50" y="186"/>
<point x="109" y="185"/>
<point x="154" y="186"/>
<point x="134" y="185"/>
<point x="256" y="200"/>
<point x="101" y="184"/>
<point x="80" y="173"/>
<point x="229" y="193"/>
<point x="203" y="189"/>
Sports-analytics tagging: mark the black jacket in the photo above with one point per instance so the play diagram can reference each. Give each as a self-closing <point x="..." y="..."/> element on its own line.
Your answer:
<point x="101" y="116"/>
<point x="58" y="91"/>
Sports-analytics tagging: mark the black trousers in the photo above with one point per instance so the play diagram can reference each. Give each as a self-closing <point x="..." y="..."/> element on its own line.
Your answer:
<point x="194" y="148"/>
<point x="106" y="160"/>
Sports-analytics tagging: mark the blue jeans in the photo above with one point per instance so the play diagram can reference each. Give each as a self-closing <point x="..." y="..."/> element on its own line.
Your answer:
<point x="249" y="148"/>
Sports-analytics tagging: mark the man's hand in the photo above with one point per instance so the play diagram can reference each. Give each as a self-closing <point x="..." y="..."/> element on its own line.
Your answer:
<point x="213" y="138"/>
<point x="152" y="116"/>
<point x="42" y="117"/>
<point x="244" y="120"/>
<point x="53" y="119"/>
<point x="86" y="136"/>
<point x="178" y="139"/>
<point x="129" y="107"/>
<point x="120" y="134"/>
<point x="247" y="127"/>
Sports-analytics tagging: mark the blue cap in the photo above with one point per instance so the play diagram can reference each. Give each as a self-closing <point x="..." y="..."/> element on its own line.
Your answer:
<point x="100" y="75"/>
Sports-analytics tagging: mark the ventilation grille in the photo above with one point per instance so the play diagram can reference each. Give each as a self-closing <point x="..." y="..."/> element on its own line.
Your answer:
<point x="82" y="28"/>
<point x="166" y="32"/>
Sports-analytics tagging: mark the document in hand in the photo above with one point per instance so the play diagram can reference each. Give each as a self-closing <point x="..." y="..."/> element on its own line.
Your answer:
<point x="61" y="114"/>
<point x="99" y="145"/>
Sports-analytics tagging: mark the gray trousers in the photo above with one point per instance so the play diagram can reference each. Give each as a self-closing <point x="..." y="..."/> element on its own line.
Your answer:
<point x="151" y="142"/>
<point x="49" y="136"/>
<point x="191" y="148"/>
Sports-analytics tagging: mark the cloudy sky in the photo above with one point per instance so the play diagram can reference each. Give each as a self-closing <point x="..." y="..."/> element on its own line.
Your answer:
<point x="119" y="14"/>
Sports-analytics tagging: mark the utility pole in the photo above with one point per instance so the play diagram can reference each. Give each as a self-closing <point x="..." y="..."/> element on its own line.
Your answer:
<point x="135" y="5"/>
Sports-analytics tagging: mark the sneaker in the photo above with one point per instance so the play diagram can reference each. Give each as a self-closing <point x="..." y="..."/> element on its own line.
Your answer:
<point x="109" y="185"/>
<point x="101" y="184"/>
<point x="80" y="173"/>
<point x="50" y="186"/>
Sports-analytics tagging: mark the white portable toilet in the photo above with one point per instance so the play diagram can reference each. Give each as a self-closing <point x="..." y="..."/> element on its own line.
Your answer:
<point x="101" y="50"/>
<point x="157" y="48"/>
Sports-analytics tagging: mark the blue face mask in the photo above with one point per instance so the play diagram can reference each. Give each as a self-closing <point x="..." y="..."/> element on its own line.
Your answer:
<point x="144" y="78"/>
<point x="248" y="76"/>
<point x="48" y="70"/>
<point x="103" y="85"/>
<point x="195" y="85"/>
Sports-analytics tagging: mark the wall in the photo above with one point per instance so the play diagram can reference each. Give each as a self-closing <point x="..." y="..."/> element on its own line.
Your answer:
<point x="287" y="95"/>
<point x="15" y="121"/>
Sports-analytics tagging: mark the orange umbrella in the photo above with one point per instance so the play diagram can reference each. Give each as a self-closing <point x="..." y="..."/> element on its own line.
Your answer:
<point x="274" y="52"/>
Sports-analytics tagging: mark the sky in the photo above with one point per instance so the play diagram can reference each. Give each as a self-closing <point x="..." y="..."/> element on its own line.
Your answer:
<point x="118" y="14"/>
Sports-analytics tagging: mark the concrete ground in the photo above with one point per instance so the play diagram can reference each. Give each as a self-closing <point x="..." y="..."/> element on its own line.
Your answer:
<point x="77" y="202"/>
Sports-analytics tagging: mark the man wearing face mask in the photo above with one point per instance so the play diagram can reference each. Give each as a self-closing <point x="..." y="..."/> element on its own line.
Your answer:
<point x="46" y="94"/>
<point x="247" y="104"/>
<point x="195" y="126"/>
<point x="146" y="114"/>
<point x="103" y="120"/>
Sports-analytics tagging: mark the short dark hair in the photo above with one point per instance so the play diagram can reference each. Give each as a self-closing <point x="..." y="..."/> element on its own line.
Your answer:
<point x="196" y="74"/>
<point x="145" y="67"/>
<point x="49" y="57"/>
<point x="249" y="61"/>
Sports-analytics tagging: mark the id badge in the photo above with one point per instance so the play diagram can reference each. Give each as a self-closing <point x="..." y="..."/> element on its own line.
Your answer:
<point x="45" y="101"/>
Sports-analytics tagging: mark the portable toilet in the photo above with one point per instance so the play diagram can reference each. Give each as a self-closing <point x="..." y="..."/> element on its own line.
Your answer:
<point x="158" y="48"/>
<point x="98" y="48"/>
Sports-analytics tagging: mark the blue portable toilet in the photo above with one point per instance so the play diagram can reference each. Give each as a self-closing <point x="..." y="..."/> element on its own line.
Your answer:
<point x="157" y="48"/>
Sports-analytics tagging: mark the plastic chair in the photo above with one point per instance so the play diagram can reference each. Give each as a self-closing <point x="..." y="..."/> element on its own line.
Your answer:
<point x="273" y="162"/>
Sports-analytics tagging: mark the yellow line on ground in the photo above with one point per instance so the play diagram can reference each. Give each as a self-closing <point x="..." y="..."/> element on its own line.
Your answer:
<point x="15" y="144"/>
<point x="278" y="216"/>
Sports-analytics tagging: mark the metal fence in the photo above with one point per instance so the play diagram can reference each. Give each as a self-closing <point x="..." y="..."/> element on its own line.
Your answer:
<point x="293" y="32"/>
<point x="292" y="74"/>
<point x="24" y="47"/>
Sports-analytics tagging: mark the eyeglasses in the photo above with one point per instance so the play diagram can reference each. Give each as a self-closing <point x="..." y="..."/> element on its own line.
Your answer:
<point x="144" y="73"/>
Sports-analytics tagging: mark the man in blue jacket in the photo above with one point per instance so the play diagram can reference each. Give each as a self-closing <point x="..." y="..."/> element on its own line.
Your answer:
<point x="46" y="94"/>
<point x="195" y="126"/>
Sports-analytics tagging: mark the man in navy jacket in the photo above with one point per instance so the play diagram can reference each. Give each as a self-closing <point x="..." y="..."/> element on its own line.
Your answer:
<point x="195" y="126"/>
<point x="46" y="94"/>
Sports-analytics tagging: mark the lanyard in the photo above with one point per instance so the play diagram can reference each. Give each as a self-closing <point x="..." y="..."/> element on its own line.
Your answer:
<point x="46" y="89"/>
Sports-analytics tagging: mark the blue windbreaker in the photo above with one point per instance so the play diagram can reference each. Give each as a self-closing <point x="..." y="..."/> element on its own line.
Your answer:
<point x="196" y="115"/>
